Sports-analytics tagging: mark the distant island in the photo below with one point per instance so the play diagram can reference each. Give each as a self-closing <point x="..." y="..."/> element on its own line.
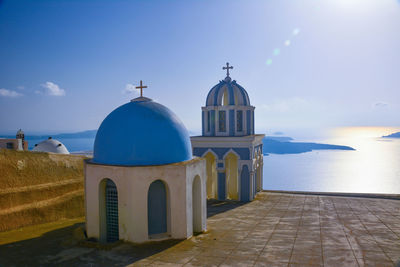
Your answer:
<point x="283" y="145"/>
<point x="272" y="144"/>
<point x="84" y="134"/>
<point x="393" y="135"/>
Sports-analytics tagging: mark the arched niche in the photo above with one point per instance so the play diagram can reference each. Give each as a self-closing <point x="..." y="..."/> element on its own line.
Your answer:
<point x="211" y="171"/>
<point x="258" y="178"/>
<point x="157" y="209"/>
<point x="231" y="170"/>
<point x="196" y="205"/>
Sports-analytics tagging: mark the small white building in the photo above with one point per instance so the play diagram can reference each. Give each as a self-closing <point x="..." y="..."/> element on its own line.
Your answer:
<point x="143" y="183"/>
<point x="51" y="146"/>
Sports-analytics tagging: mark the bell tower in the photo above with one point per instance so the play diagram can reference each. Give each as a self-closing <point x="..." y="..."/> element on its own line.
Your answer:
<point x="228" y="143"/>
<point x="21" y="136"/>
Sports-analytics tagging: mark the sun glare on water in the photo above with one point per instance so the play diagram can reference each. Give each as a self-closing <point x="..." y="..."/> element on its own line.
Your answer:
<point x="374" y="163"/>
<point x="364" y="132"/>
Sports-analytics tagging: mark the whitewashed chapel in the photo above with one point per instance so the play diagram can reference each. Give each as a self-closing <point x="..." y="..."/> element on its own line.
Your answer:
<point x="143" y="183"/>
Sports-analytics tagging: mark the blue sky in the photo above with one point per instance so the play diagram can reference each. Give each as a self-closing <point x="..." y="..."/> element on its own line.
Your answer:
<point x="306" y="64"/>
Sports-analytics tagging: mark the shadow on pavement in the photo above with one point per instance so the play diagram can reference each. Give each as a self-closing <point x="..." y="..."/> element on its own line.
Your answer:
<point x="215" y="207"/>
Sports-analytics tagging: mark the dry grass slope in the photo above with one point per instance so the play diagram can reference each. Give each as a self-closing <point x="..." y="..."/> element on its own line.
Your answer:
<point x="39" y="187"/>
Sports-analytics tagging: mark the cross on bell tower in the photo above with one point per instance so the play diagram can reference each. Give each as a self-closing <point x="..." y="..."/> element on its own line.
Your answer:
<point x="141" y="88"/>
<point x="227" y="68"/>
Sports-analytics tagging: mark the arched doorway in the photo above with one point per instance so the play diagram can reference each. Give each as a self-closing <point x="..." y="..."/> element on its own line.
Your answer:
<point x="109" y="225"/>
<point x="231" y="167"/>
<point x="211" y="175"/>
<point x="157" y="208"/>
<point x="196" y="205"/>
<point x="245" y="184"/>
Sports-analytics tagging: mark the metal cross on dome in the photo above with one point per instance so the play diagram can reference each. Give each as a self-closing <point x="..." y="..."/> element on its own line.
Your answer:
<point x="141" y="88"/>
<point x="227" y="68"/>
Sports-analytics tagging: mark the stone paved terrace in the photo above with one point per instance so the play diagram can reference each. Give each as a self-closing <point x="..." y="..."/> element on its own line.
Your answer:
<point x="274" y="230"/>
<point x="294" y="230"/>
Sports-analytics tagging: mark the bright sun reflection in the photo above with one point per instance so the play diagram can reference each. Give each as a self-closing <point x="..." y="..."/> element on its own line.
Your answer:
<point x="364" y="132"/>
<point x="374" y="161"/>
<point x="372" y="168"/>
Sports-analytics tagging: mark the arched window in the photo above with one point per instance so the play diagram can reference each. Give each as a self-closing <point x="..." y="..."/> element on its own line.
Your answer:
<point x="109" y="225"/>
<point x="208" y="121"/>
<point x="222" y="120"/>
<point x="239" y="120"/>
<point x="112" y="211"/>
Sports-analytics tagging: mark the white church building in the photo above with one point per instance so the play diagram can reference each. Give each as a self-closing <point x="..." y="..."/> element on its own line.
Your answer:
<point x="143" y="183"/>
<point x="228" y="142"/>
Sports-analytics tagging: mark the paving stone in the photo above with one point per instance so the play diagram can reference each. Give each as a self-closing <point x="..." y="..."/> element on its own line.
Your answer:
<point x="177" y="257"/>
<point x="215" y="252"/>
<point x="254" y="251"/>
<point x="306" y="259"/>
<point x="281" y="256"/>
<point x="266" y="263"/>
<point x="394" y="257"/>
<point x="334" y="262"/>
<point x="313" y="248"/>
<point x="238" y="261"/>
<point x="201" y="260"/>
<point x="377" y="263"/>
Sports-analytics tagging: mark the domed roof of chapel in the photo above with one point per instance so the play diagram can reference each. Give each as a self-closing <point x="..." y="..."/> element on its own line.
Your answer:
<point x="51" y="145"/>
<point x="139" y="133"/>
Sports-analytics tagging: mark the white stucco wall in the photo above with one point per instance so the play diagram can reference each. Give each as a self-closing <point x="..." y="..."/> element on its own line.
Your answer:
<point x="193" y="170"/>
<point x="132" y="184"/>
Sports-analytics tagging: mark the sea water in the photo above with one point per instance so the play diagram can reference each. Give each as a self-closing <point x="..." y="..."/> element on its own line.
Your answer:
<point x="374" y="167"/>
<point x="72" y="144"/>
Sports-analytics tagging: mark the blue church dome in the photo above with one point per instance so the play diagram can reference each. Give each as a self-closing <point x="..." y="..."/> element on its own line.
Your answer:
<point x="141" y="132"/>
<point x="227" y="92"/>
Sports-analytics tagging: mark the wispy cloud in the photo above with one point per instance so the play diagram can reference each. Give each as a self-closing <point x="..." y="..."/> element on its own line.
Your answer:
<point x="52" y="89"/>
<point x="129" y="89"/>
<point x="380" y="104"/>
<point x="9" y="93"/>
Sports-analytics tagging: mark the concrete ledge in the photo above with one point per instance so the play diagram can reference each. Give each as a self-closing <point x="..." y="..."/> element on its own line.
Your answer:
<point x="338" y="194"/>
